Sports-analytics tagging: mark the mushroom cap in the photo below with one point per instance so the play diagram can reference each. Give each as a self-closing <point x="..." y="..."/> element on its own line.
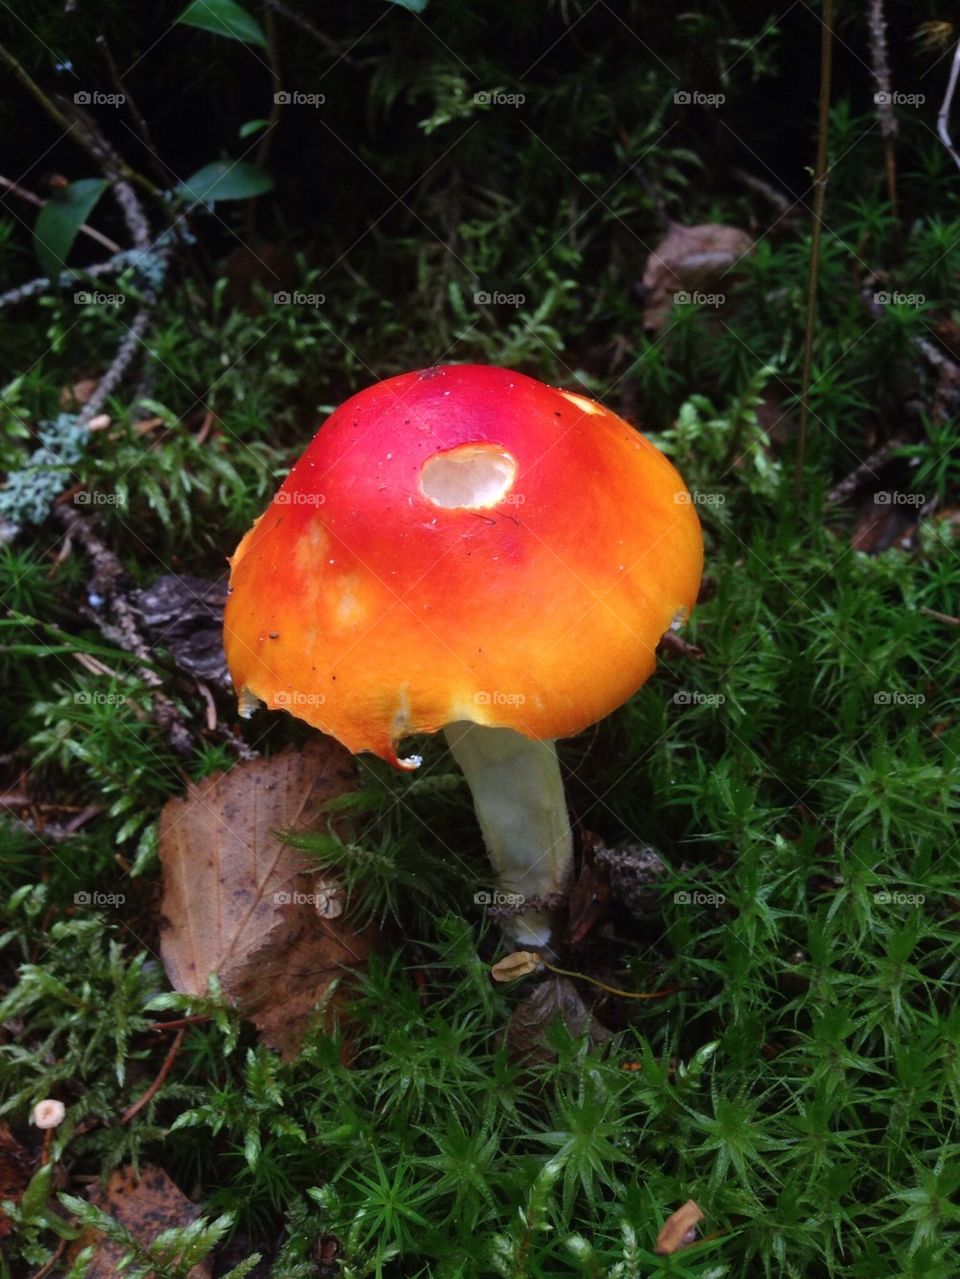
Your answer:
<point x="527" y="587"/>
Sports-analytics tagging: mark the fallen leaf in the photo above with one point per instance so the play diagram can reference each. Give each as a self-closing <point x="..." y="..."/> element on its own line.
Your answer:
<point x="144" y="1205"/>
<point x="526" y="1037"/>
<point x="15" y="1166"/>
<point x="679" y="1229"/>
<point x="689" y="259"/>
<point x="240" y="903"/>
<point x="520" y="964"/>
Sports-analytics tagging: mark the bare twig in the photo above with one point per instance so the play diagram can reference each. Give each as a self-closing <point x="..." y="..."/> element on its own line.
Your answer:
<point x="305" y="24"/>
<point x="139" y="121"/>
<point x="819" y="193"/>
<point x="866" y="471"/>
<point x="943" y="117"/>
<point x="108" y="572"/>
<point x="15" y="189"/>
<point x="72" y="126"/>
<point x="940" y="617"/>
<point x="157" y="1084"/>
<point x="121" y="362"/>
<point x="884" y="99"/>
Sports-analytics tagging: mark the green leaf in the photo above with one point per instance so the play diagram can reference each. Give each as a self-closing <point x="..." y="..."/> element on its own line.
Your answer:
<point x="223" y="18"/>
<point x="252" y="126"/>
<point x="61" y="218"/>
<point x="35" y="1196"/>
<point x="225" y="180"/>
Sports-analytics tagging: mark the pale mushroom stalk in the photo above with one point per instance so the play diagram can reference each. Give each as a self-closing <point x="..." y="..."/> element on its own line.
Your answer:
<point x="518" y="796"/>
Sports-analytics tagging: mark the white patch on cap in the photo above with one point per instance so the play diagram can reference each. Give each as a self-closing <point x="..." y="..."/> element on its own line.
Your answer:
<point x="247" y="703"/>
<point x="588" y="406"/>
<point x="471" y="477"/>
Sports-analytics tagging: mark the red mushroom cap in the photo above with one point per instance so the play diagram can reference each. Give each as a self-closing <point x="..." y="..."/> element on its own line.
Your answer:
<point x="462" y="543"/>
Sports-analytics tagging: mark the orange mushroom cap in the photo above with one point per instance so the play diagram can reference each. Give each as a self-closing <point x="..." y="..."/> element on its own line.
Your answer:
<point x="462" y="543"/>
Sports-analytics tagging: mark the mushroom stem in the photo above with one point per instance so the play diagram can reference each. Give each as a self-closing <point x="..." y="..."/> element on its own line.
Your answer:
<point x="518" y="796"/>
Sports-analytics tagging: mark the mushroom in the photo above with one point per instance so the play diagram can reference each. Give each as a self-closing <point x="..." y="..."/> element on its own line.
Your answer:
<point x="464" y="548"/>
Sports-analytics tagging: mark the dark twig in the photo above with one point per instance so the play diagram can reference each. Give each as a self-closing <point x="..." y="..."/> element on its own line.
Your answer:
<point x="884" y="98"/>
<point x="139" y="121"/>
<point x="157" y="1084"/>
<point x="305" y="24"/>
<point x="864" y="473"/>
<point x="73" y="126"/>
<point x="819" y="193"/>
<point x="15" y="189"/>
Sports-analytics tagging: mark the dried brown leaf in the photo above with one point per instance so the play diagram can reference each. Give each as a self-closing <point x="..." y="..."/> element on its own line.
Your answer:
<point x="520" y="964"/>
<point x="689" y="259"/>
<point x="240" y="903"/>
<point x="527" y="1028"/>
<point x="146" y="1206"/>
<point x="679" y="1229"/>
